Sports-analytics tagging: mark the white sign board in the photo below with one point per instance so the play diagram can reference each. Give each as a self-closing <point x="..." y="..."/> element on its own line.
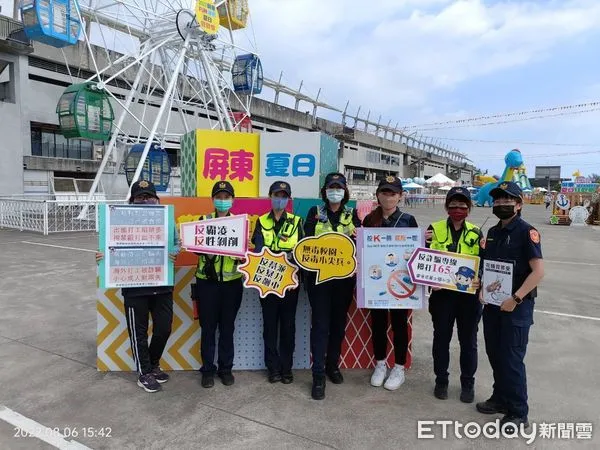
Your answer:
<point x="563" y="202"/>
<point x="578" y="215"/>
<point x="227" y="236"/>
<point x="497" y="281"/>
<point x="292" y="157"/>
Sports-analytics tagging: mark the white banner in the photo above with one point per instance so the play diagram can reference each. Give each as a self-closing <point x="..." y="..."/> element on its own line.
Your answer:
<point x="227" y="236"/>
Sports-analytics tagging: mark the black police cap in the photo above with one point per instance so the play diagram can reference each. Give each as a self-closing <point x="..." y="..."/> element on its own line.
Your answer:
<point x="222" y="186"/>
<point x="390" y="183"/>
<point x="505" y="188"/>
<point x="143" y="187"/>
<point x="281" y="186"/>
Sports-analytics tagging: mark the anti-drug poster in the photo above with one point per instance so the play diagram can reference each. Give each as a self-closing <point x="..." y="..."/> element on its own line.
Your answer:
<point x="136" y="240"/>
<point x="383" y="280"/>
<point x="497" y="281"/>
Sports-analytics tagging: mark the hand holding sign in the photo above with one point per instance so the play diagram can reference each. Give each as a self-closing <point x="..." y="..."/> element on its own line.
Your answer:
<point x="331" y="255"/>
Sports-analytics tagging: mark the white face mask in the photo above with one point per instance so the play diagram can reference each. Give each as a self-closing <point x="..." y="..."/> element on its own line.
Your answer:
<point x="335" y="195"/>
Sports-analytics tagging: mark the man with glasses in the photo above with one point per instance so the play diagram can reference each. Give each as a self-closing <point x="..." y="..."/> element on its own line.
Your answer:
<point x="506" y="327"/>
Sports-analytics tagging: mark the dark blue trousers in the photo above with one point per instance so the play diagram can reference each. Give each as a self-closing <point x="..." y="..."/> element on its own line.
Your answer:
<point x="506" y="339"/>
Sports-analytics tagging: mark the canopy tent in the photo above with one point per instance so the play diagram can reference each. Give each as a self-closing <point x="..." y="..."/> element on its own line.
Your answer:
<point x="412" y="186"/>
<point x="444" y="188"/>
<point x="439" y="179"/>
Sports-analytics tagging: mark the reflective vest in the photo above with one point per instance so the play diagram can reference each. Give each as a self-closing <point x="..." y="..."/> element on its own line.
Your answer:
<point x="286" y="239"/>
<point x="468" y="243"/>
<point x="345" y="226"/>
<point x="225" y="266"/>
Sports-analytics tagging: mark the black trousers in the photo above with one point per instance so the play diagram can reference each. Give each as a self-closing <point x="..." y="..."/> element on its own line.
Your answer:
<point x="447" y="307"/>
<point x="279" y="320"/>
<point x="329" y="302"/>
<point x="218" y="305"/>
<point x="379" y="327"/>
<point x="137" y="310"/>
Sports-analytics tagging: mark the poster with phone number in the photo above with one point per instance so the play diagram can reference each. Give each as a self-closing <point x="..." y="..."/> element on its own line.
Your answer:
<point x="383" y="280"/>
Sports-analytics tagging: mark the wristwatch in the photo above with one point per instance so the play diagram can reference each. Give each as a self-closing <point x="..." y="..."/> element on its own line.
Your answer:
<point x="518" y="300"/>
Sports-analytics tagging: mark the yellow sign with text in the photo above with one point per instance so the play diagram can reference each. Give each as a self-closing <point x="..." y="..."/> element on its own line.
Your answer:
<point x="269" y="273"/>
<point x="207" y="16"/>
<point x="331" y="255"/>
<point x="227" y="156"/>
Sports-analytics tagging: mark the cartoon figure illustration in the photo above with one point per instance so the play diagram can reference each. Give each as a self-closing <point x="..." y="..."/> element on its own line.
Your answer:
<point x="496" y="292"/>
<point x="391" y="260"/>
<point x="464" y="278"/>
<point x="375" y="272"/>
<point x="408" y="254"/>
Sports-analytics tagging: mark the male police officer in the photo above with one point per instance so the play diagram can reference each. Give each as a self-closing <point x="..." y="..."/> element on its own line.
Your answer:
<point x="506" y="327"/>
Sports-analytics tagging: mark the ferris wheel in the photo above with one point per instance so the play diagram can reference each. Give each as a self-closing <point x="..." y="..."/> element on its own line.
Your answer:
<point x="183" y="57"/>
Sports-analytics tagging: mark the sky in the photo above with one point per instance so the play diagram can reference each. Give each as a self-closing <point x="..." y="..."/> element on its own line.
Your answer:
<point x="421" y="61"/>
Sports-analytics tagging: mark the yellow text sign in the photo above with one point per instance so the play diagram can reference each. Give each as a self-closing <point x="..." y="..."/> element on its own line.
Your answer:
<point x="207" y="16"/>
<point x="331" y="255"/>
<point x="269" y="273"/>
<point x="227" y="156"/>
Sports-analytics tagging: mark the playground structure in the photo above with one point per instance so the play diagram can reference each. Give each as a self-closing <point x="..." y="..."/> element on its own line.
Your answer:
<point x="514" y="171"/>
<point x="481" y="180"/>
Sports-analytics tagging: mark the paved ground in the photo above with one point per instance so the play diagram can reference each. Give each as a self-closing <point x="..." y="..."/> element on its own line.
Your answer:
<point x="47" y="366"/>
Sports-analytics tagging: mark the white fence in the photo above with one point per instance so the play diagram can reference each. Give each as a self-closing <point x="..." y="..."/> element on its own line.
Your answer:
<point x="49" y="216"/>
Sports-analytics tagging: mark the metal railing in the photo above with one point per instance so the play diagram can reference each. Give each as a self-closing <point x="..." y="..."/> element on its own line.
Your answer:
<point x="49" y="216"/>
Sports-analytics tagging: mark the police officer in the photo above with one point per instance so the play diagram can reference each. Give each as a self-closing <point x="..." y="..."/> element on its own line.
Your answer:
<point x="219" y="291"/>
<point x="455" y="234"/>
<point x="387" y="214"/>
<point x="280" y="231"/>
<point x="329" y="300"/>
<point x="506" y="327"/>
<point x="140" y="302"/>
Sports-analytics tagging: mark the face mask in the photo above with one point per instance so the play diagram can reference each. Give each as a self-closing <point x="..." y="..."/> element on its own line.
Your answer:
<point x="458" y="214"/>
<point x="335" y="195"/>
<point x="503" y="212"/>
<point x="223" y="205"/>
<point x="279" y="203"/>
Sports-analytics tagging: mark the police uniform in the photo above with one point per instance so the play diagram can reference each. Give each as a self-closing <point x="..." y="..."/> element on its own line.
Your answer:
<point x="507" y="333"/>
<point x="447" y="306"/>
<point x="279" y="314"/>
<point x="219" y="291"/>
<point x="156" y="301"/>
<point x="380" y="318"/>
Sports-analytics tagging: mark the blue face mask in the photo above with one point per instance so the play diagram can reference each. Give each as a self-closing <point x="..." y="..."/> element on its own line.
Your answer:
<point x="335" y="195"/>
<point x="223" y="205"/>
<point x="279" y="203"/>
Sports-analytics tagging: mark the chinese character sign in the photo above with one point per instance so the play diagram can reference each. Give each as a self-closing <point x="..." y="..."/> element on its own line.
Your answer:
<point x="383" y="278"/>
<point x="497" y="282"/>
<point x="229" y="156"/>
<point x="445" y="270"/>
<point x="331" y="255"/>
<point x="207" y="16"/>
<point x="226" y="236"/>
<point x="293" y="157"/>
<point x="136" y="240"/>
<point x="269" y="273"/>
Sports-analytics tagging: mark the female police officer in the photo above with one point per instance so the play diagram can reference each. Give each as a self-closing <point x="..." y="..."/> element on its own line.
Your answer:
<point x="219" y="293"/>
<point x="279" y="231"/>
<point x="329" y="300"/>
<point x="387" y="214"/>
<point x="506" y="327"/>
<point x="455" y="234"/>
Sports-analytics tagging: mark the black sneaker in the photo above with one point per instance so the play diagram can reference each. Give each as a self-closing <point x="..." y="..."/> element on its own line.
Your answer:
<point x="318" y="387"/>
<point x="513" y="423"/>
<point x="467" y="395"/>
<point x="148" y="383"/>
<point x="159" y="375"/>
<point x="335" y="376"/>
<point x="490" y="406"/>
<point x="287" y="378"/>
<point x="227" y="378"/>
<point x="441" y="391"/>
<point x="274" y="377"/>
<point x="208" y="380"/>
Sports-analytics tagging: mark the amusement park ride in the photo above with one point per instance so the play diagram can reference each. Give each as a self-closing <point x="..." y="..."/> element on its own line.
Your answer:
<point x="175" y="54"/>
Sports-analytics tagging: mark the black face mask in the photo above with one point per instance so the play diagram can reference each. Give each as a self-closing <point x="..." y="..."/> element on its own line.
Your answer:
<point x="504" y="212"/>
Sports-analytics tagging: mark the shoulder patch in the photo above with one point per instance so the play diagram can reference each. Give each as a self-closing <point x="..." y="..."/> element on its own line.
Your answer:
<point x="534" y="236"/>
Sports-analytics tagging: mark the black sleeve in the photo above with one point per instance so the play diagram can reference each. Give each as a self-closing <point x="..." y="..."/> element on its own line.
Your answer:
<point x="311" y="222"/>
<point x="257" y="237"/>
<point x="413" y="222"/>
<point x="355" y="219"/>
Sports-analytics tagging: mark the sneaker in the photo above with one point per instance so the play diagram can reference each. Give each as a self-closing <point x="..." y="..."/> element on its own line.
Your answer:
<point x="490" y="406"/>
<point x="208" y="380"/>
<point x="467" y="394"/>
<point x="318" y="387"/>
<point x="395" y="379"/>
<point x="441" y="391"/>
<point x="274" y="377"/>
<point x="287" y="378"/>
<point x="159" y="375"/>
<point x="148" y="383"/>
<point x="379" y="374"/>
<point x="227" y="378"/>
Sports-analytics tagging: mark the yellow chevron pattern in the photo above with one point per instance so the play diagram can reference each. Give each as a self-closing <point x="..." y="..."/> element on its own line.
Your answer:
<point x="112" y="340"/>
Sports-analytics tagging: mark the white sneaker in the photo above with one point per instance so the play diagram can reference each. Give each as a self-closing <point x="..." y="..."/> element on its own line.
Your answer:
<point x="379" y="374"/>
<point x="395" y="379"/>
